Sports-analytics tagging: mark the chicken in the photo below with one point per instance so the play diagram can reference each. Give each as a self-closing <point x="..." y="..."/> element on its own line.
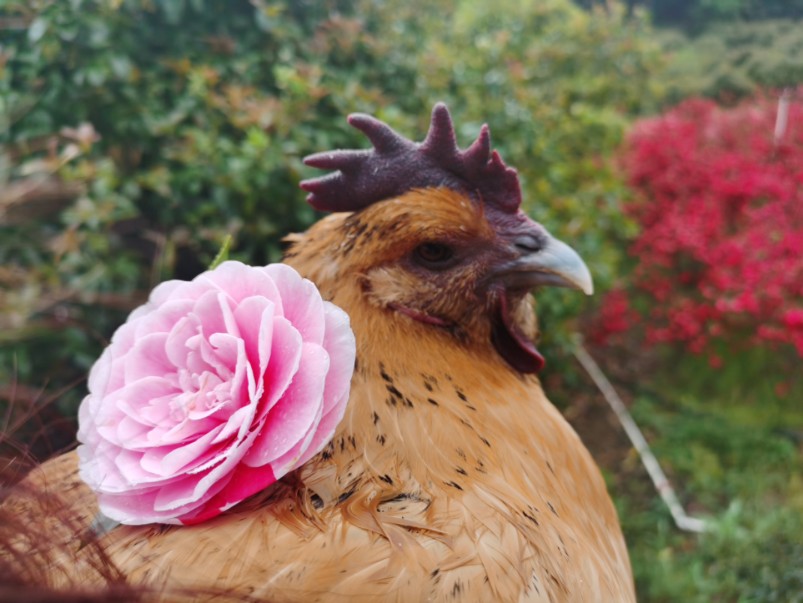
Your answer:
<point x="451" y="476"/>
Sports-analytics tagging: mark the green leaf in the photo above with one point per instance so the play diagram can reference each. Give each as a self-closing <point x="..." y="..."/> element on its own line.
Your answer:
<point x="222" y="254"/>
<point x="37" y="29"/>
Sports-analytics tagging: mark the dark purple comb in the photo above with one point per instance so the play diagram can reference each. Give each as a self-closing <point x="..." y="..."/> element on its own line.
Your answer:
<point x="396" y="165"/>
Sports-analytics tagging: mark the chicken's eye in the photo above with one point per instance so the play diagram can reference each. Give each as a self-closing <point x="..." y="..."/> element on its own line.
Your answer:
<point x="434" y="255"/>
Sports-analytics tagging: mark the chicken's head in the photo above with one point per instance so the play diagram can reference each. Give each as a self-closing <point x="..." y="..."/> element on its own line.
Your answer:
<point x="436" y="236"/>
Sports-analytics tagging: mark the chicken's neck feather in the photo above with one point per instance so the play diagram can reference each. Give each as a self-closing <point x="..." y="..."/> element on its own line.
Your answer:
<point x="443" y="437"/>
<point x="429" y="407"/>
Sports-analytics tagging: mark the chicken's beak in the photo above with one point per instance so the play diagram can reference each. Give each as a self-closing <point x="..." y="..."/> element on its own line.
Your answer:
<point x="546" y="261"/>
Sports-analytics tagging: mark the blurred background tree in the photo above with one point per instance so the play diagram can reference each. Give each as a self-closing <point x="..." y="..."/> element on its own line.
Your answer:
<point x="136" y="135"/>
<point x="202" y="111"/>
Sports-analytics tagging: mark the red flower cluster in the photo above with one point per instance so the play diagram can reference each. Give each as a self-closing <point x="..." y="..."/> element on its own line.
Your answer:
<point x="720" y="205"/>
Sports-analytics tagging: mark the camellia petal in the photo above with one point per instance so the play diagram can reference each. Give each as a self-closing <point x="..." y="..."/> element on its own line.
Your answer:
<point x="147" y="357"/>
<point x="306" y="314"/>
<point x="196" y="487"/>
<point x="241" y="281"/>
<point x="163" y="319"/>
<point x="211" y="391"/>
<point x="326" y="425"/>
<point x="289" y="420"/>
<point x="339" y="337"/>
<point x="286" y="352"/>
<point x="100" y="374"/>
<point x="290" y="459"/>
<point x="244" y="482"/>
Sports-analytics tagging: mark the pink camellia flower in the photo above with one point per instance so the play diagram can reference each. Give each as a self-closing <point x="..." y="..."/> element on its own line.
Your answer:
<point x="211" y="391"/>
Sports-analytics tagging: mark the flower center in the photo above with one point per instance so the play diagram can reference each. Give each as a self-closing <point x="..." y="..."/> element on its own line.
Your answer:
<point x="201" y="395"/>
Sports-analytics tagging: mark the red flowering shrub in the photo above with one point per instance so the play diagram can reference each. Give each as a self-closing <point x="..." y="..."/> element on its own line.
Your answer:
<point x="615" y="316"/>
<point x="719" y="258"/>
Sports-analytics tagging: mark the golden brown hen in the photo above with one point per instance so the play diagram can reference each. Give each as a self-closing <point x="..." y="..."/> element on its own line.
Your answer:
<point x="451" y="476"/>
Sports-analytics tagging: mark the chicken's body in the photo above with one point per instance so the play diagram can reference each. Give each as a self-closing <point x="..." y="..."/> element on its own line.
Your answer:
<point x="450" y="478"/>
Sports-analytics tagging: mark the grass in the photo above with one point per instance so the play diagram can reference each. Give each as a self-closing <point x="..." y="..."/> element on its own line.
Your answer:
<point x="731" y="442"/>
<point x="746" y="479"/>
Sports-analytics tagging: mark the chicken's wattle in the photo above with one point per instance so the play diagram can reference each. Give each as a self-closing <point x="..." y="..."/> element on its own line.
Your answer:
<point x="512" y="344"/>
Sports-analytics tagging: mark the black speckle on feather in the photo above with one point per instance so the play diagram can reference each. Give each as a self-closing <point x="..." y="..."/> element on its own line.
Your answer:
<point x="406" y="496"/>
<point x="464" y="398"/>
<point x="565" y="550"/>
<point x="394" y="391"/>
<point x="396" y="397"/>
<point x="530" y="517"/>
<point x="535" y="584"/>
<point x="347" y="494"/>
<point x="431" y="379"/>
<point x="385" y="377"/>
<point x="353" y="229"/>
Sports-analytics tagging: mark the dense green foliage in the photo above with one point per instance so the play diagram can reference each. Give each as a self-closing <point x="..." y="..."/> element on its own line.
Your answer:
<point x="725" y="49"/>
<point x="204" y="109"/>
<point x="694" y="14"/>
<point x="697" y="15"/>
<point x="728" y="61"/>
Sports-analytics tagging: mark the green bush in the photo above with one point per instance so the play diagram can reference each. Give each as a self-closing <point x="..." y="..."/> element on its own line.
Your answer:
<point x="733" y="60"/>
<point x="697" y="14"/>
<point x="204" y="109"/>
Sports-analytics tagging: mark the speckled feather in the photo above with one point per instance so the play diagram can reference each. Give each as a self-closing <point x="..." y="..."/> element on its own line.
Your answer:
<point x="451" y="477"/>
